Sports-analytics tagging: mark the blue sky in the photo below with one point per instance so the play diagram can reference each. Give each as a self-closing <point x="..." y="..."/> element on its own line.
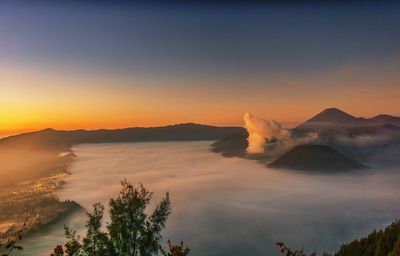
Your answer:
<point x="162" y="38"/>
<point x="253" y="44"/>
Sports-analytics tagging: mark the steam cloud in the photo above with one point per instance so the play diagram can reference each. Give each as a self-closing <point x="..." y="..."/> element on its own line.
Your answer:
<point x="261" y="130"/>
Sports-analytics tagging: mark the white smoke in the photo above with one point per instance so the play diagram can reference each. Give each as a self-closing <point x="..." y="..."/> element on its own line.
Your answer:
<point x="260" y="131"/>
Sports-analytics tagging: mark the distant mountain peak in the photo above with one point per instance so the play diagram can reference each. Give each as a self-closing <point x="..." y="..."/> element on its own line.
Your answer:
<point x="334" y="113"/>
<point x="334" y="117"/>
<point x="383" y="116"/>
<point x="333" y="110"/>
<point x="47" y="130"/>
<point x="329" y="116"/>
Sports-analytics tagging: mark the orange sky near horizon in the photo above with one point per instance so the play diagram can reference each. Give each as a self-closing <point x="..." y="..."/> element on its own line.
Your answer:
<point x="84" y="66"/>
<point x="33" y="99"/>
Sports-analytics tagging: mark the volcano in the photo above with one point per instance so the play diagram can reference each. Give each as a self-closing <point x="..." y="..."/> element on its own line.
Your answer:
<point x="331" y="118"/>
<point x="328" y="118"/>
<point x="310" y="157"/>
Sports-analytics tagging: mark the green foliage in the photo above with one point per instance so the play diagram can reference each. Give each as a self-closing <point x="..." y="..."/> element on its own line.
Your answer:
<point x="289" y="252"/>
<point x="175" y="250"/>
<point x="58" y="251"/>
<point x="96" y="242"/>
<point x="383" y="243"/>
<point x="131" y="231"/>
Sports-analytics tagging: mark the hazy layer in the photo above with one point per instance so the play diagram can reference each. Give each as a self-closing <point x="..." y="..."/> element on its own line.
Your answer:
<point x="231" y="206"/>
<point x="22" y="164"/>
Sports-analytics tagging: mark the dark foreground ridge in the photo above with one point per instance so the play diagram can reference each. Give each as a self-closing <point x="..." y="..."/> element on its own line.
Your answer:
<point x="384" y="242"/>
<point x="311" y="157"/>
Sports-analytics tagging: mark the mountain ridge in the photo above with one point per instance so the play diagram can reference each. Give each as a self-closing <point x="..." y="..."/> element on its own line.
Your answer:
<point x="334" y="117"/>
<point x="63" y="139"/>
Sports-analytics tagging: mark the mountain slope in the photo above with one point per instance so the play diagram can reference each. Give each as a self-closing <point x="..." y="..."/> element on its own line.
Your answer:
<point x="316" y="158"/>
<point x="232" y="145"/>
<point x="332" y="115"/>
<point x="384" y="120"/>
<point x="383" y="242"/>
<point x="333" y="118"/>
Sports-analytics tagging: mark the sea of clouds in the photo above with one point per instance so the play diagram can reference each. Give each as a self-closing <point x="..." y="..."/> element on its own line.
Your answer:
<point x="232" y="206"/>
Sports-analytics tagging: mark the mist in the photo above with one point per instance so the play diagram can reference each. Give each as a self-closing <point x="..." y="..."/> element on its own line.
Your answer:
<point x="19" y="164"/>
<point x="233" y="206"/>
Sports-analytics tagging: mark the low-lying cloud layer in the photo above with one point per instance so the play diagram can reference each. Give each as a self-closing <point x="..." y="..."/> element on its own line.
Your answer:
<point x="233" y="206"/>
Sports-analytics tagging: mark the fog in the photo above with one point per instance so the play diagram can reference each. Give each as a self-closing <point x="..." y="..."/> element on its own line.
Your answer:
<point x="22" y="164"/>
<point x="232" y="206"/>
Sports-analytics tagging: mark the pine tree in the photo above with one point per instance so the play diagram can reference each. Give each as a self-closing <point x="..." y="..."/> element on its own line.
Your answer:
<point x="131" y="231"/>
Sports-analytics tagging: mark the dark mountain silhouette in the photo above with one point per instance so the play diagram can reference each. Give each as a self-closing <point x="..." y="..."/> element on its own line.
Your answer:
<point x="385" y="119"/>
<point x="37" y="154"/>
<point x="63" y="140"/>
<point x="335" y="118"/>
<point x="232" y="145"/>
<point x="311" y="157"/>
<point x="332" y="115"/>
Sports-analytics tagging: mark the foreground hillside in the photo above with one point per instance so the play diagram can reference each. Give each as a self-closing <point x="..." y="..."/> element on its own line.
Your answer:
<point x="382" y="243"/>
<point x="32" y="204"/>
<point x="378" y="243"/>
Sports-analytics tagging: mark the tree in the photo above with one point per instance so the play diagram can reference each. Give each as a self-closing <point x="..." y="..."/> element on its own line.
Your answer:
<point x="131" y="231"/>
<point x="175" y="250"/>
<point x="58" y="251"/>
<point x="12" y="245"/>
<point x="96" y="242"/>
<point x="289" y="252"/>
<point x="384" y="242"/>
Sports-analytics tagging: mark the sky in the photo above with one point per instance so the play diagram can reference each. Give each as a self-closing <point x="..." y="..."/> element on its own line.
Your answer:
<point x="71" y="65"/>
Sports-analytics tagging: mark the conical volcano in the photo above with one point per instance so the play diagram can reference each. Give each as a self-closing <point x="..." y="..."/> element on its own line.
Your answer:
<point x="316" y="158"/>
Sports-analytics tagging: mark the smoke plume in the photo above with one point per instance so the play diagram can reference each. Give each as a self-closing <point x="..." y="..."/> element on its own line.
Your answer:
<point x="261" y="130"/>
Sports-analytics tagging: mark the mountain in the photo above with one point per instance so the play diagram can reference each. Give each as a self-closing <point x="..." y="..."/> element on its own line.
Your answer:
<point x="332" y="115"/>
<point x="63" y="140"/>
<point x="335" y="118"/>
<point x="43" y="153"/>
<point x="385" y="119"/>
<point x="232" y="145"/>
<point x="361" y="138"/>
<point x="316" y="158"/>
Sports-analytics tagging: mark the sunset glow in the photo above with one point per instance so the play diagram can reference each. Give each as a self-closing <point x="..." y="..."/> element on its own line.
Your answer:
<point x="63" y="100"/>
<point x="137" y="81"/>
<point x="200" y="127"/>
